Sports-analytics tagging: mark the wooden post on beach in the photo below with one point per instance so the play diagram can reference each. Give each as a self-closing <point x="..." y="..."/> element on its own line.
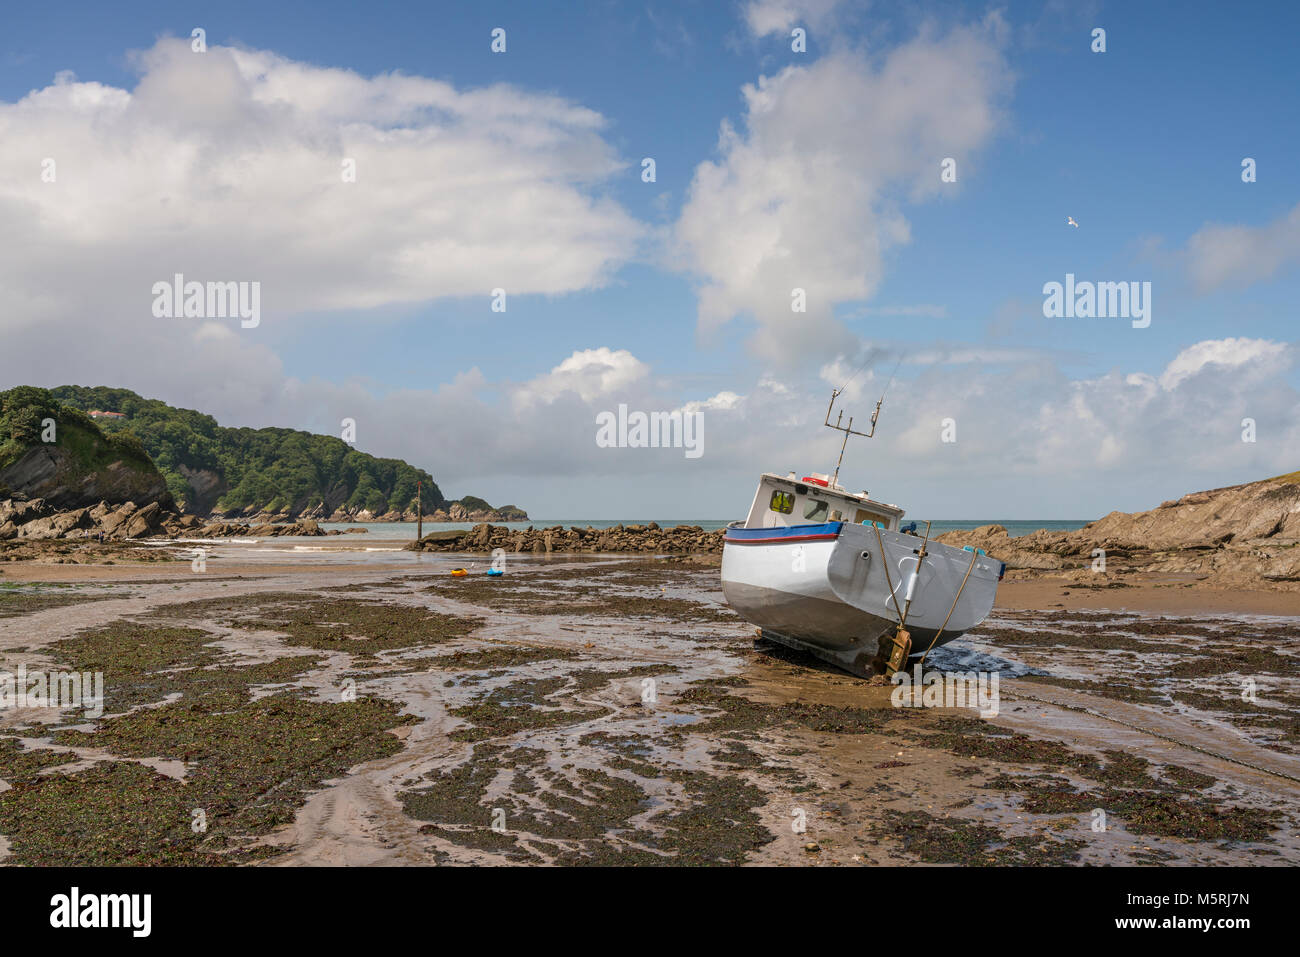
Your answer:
<point x="419" y="513"/>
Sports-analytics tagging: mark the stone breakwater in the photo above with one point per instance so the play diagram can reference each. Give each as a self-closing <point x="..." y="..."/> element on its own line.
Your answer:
<point x="680" y="539"/>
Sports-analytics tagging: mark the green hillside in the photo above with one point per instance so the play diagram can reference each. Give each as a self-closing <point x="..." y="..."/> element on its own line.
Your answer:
<point x="211" y="468"/>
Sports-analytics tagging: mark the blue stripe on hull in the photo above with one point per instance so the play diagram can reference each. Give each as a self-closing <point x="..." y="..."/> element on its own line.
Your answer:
<point x="783" y="533"/>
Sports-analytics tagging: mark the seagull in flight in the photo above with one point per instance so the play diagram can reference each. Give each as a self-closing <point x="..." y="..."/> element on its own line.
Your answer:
<point x="1069" y="221"/>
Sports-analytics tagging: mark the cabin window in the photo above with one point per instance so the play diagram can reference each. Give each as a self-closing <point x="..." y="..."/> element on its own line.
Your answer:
<point x="782" y="502"/>
<point x="815" y="511"/>
<point x="868" y="517"/>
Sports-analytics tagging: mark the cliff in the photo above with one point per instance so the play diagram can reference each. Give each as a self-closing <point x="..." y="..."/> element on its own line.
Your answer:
<point x="49" y="451"/>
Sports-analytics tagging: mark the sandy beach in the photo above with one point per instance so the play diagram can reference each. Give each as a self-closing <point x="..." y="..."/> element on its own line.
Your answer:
<point x="328" y="709"/>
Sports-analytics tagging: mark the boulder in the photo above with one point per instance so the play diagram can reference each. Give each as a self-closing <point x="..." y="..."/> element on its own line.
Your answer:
<point x="59" y="525"/>
<point x="114" y="522"/>
<point x="144" y="522"/>
<point x="20" y="511"/>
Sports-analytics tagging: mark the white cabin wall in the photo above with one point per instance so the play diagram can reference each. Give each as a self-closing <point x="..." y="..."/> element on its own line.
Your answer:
<point x="761" y="516"/>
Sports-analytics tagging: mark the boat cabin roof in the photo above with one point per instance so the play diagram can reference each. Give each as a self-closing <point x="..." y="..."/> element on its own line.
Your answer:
<point x="788" y="500"/>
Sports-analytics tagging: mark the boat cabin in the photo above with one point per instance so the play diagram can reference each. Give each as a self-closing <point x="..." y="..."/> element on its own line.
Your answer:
<point x="812" y="500"/>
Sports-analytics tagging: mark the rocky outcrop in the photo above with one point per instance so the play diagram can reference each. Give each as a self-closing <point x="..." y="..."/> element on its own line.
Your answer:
<point x="458" y="513"/>
<point x="1242" y="533"/>
<point x="56" y="475"/>
<point x="205" y="485"/>
<point x="39" y="519"/>
<point x="681" y="539"/>
<point x="319" y="513"/>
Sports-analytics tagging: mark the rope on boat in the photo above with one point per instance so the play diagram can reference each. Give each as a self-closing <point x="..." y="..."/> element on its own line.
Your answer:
<point x="884" y="560"/>
<point x="902" y="639"/>
<point x="902" y="636"/>
<point x="974" y="558"/>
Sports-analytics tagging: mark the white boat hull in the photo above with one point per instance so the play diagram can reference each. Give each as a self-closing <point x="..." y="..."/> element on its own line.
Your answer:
<point x="824" y="588"/>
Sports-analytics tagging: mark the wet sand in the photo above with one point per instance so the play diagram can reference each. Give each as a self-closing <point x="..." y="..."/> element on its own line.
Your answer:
<point x="613" y="710"/>
<point x="1156" y="593"/>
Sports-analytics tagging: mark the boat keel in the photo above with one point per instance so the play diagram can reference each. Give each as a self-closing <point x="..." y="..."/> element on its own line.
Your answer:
<point x="866" y="660"/>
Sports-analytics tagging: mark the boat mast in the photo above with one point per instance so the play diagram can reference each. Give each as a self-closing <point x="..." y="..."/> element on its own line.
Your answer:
<point x="847" y="429"/>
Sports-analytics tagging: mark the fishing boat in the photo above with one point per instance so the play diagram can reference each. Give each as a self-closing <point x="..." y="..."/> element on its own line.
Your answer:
<point x="838" y="574"/>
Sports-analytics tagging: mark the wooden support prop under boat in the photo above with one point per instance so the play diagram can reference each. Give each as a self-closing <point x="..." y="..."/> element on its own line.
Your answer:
<point x="975" y="556"/>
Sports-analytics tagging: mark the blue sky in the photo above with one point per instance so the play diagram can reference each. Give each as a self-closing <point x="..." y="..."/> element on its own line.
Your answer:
<point x="1141" y="144"/>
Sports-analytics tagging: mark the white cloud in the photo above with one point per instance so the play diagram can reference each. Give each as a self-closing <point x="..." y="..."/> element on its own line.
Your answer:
<point x="588" y="373"/>
<point x="806" y="195"/>
<point x="1261" y="356"/>
<point x="1220" y="255"/>
<point x="226" y="165"/>
<point x="773" y="385"/>
<point x="724" y="400"/>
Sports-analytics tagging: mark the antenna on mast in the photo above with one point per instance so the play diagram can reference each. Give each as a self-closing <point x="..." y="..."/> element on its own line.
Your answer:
<point x="848" y="429"/>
